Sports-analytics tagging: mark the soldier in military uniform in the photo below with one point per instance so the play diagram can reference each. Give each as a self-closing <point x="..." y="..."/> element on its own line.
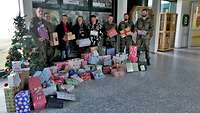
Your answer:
<point x="127" y="40"/>
<point x="110" y="42"/>
<point x="144" y="28"/>
<point x="39" y="30"/>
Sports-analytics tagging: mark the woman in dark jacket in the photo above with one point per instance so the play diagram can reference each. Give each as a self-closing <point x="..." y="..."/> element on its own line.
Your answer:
<point x="81" y="32"/>
<point x="61" y="29"/>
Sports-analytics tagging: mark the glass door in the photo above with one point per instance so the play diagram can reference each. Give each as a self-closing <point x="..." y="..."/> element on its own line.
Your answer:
<point x="195" y="27"/>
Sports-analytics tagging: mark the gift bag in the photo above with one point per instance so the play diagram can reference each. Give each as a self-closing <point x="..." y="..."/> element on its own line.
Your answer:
<point x="9" y="93"/>
<point x="65" y="96"/>
<point x="107" y="70"/>
<point x="94" y="59"/>
<point x="133" y="58"/>
<point x="106" y="60"/>
<point x="142" y="57"/>
<point x="37" y="95"/>
<point x="54" y="39"/>
<point x="142" y="67"/>
<point x="53" y="102"/>
<point x="132" y="67"/>
<point x="24" y="76"/>
<point x="16" y="66"/>
<point x="22" y="102"/>
<point x="133" y="50"/>
<point x="84" y="42"/>
<point x="112" y="32"/>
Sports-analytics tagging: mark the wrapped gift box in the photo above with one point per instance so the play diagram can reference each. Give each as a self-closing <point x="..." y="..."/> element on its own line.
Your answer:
<point x="98" y="75"/>
<point x="94" y="60"/>
<point x="62" y="66"/>
<point x="118" y="70"/>
<point x="126" y="32"/>
<point x="142" y="67"/>
<point x="110" y="51"/>
<point x="66" y="88"/>
<point x="86" y="76"/>
<point x="75" y="63"/>
<point x="9" y="93"/>
<point x="50" y="90"/>
<point x="65" y="96"/>
<point x="16" y="65"/>
<point x="70" y="36"/>
<point x="86" y="56"/>
<point x="43" y="32"/>
<point x="112" y="32"/>
<point x="72" y="81"/>
<point x="38" y="96"/>
<point x="120" y="58"/>
<point x="14" y="79"/>
<point x="54" y="39"/>
<point x="132" y="67"/>
<point x="22" y="102"/>
<point x="94" y="33"/>
<point x="90" y="68"/>
<point x="77" y="78"/>
<point x="84" y="42"/>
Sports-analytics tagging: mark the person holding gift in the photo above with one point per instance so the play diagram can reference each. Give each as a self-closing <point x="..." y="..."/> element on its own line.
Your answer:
<point x="126" y="27"/>
<point x="40" y="33"/>
<point x="111" y="33"/>
<point x="96" y="32"/>
<point x="144" y="26"/>
<point x="63" y="28"/>
<point x="81" y="32"/>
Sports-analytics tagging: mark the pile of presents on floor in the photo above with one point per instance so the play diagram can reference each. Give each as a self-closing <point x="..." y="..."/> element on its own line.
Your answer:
<point x="54" y="85"/>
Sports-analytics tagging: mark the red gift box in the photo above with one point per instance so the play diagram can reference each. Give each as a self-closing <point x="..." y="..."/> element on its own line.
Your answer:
<point x="37" y="94"/>
<point x="86" y="76"/>
<point x="112" y="32"/>
<point x="58" y="79"/>
<point x="106" y="69"/>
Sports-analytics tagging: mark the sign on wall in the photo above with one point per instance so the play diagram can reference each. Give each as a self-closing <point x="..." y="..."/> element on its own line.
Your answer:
<point x="186" y="19"/>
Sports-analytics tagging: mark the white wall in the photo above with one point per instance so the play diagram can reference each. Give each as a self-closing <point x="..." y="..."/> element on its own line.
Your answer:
<point x="182" y="33"/>
<point x="156" y="10"/>
<point x="121" y="9"/>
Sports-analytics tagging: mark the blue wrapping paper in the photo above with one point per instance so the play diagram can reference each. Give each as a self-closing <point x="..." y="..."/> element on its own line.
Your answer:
<point x="22" y="102"/>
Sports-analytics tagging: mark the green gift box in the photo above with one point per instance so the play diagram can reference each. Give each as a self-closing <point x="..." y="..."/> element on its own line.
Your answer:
<point x="72" y="82"/>
<point x="10" y="97"/>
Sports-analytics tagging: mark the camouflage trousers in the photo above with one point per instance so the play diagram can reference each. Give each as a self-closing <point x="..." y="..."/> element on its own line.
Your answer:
<point x="143" y="44"/>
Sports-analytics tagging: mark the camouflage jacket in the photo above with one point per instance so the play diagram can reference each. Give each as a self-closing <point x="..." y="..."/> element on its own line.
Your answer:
<point x="123" y="25"/>
<point x="146" y="25"/>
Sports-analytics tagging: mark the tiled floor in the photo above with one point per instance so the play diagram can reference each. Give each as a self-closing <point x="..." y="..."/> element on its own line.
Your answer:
<point x="171" y="85"/>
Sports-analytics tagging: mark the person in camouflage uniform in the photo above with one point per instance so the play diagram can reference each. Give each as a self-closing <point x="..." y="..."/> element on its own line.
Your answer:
<point x="144" y="28"/>
<point x="39" y="30"/>
<point x="110" y="42"/>
<point x="125" y="42"/>
<point x="95" y="26"/>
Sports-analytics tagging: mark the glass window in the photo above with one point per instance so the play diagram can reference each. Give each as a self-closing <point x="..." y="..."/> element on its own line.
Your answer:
<point x="167" y="6"/>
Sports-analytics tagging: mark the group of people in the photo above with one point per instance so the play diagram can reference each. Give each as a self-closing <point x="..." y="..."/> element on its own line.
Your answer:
<point x="41" y="29"/>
